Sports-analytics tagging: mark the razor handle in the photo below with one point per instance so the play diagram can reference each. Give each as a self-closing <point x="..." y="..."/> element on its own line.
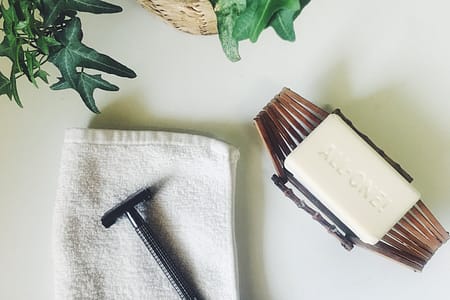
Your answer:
<point x="161" y="257"/>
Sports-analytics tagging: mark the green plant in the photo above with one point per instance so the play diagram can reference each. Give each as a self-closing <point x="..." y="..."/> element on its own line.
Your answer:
<point x="239" y="20"/>
<point x="40" y="31"/>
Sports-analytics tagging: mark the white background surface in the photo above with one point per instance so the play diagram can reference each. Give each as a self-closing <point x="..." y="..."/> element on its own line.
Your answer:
<point x="385" y="63"/>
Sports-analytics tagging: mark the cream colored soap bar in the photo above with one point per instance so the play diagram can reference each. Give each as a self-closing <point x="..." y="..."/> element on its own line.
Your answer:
<point x="351" y="179"/>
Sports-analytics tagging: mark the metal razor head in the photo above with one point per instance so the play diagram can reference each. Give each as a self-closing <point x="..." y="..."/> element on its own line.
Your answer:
<point x="110" y="217"/>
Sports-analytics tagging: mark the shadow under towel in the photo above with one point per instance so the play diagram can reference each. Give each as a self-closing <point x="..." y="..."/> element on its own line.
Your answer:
<point x="191" y="213"/>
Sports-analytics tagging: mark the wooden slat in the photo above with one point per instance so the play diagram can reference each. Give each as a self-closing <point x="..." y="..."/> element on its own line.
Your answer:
<point x="305" y="116"/>
<point x="412" y="247"/>
<point x="407" y="230"/>
<point x="295" y="129"/>
<point x="319" y="112"/>
<point x="275" y="136"/>
<point x="281" y="126"/>
<point x="278" y="164"/>
<point x="444" y="234"/>
<point x="428" y="225"/>
<point x="421" y="228"/>
<point x="405" y="251"/>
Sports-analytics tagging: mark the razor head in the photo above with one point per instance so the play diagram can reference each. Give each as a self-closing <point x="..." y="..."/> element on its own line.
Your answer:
<point x="110" y="217"/>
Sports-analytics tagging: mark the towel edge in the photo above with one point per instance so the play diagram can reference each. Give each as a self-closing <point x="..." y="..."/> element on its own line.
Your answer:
<point x="146" y="137"/>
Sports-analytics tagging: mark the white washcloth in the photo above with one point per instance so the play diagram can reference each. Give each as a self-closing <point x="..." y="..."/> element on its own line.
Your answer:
<point x="191" y="213"/>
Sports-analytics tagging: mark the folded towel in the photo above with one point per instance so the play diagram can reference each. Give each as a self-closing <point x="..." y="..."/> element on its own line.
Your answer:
<point x="191" y="213"/>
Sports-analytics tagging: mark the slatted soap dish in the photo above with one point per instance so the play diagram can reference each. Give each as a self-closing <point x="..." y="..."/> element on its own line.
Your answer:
<point x="346" y="183"/>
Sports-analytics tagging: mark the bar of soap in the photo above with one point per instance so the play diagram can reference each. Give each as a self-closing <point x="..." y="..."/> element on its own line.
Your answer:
<point x="351" y="179"/>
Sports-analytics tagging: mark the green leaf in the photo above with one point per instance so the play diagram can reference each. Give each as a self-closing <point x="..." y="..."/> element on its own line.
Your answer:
<point x="258" y="14"/>
<point x="86" y="85"/>
<point x="42" y="75"/>
<point x="6" y="49"/>
<point x="243" y="24"/>
<point x="51" y="41"/>
<point x="247" y="22"/>
<point x="60" y="85"/>
<point x="303" y="3"/>
<point x="93" y="6"/>
<point x="283" y="22"/>
<point x="25" y="15"/>
<point x="14" y="92"/>
<point x="73" y="55"/>
<point x="96" y="81"/>
<point x="52" y="9"/>
<point x="5" y="85"/>
<point x="9" y="18"/>
<point x="227" y="12"/>
<point x="21" y="25"/>
<point x="31" y="63"/>
<point x="42" y="45"/>
<point x="21" y="65"/>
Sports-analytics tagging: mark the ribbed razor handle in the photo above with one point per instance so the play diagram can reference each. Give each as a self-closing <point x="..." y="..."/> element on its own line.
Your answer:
<point x="165" y="263"/>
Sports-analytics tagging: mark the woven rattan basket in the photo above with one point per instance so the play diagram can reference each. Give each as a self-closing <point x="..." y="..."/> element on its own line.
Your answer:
<point x="192" y="16"/>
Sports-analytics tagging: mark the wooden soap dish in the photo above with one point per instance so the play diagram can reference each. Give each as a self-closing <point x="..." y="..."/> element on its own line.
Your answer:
<point x="283" y="124"/>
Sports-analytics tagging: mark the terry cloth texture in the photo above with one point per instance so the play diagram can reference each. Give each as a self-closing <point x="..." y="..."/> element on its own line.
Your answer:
<point x="191" y="214"/>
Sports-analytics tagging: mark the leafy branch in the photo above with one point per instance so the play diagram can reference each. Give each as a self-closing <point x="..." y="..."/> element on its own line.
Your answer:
<point x="41" y="31"/>
<point x="239" y="20"/>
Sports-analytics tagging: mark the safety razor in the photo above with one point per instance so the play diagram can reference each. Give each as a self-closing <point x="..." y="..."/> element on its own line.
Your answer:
<point x="142" y="228"/>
